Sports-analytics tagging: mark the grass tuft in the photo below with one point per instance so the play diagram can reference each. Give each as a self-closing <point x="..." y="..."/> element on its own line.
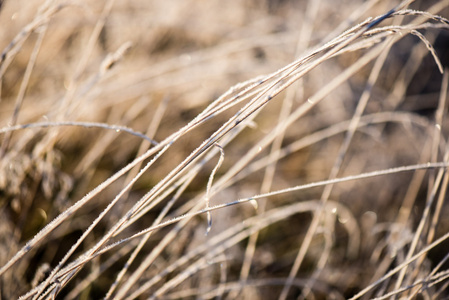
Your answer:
<point x="224" y="149"/>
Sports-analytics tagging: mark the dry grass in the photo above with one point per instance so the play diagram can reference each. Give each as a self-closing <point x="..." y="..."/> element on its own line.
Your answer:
<point x="224" y="149"/>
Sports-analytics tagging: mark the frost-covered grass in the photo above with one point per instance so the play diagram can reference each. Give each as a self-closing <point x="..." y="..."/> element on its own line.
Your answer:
<point x="223" y="149"/>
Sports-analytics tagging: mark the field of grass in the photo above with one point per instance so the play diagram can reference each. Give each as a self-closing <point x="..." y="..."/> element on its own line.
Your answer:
<point x="241" y="149"/>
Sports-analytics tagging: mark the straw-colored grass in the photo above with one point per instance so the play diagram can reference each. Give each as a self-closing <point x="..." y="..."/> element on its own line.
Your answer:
<point x="224" y="149"/>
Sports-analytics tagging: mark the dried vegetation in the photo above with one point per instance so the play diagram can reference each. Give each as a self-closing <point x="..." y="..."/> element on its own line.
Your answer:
<point x="272" y="149"/>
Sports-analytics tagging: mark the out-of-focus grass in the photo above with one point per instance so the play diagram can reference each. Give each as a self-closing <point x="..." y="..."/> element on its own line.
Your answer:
<point x="124" y="123"/>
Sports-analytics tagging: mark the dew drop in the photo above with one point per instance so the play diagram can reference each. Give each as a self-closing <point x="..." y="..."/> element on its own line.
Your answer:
<point x="343" y="220"/>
